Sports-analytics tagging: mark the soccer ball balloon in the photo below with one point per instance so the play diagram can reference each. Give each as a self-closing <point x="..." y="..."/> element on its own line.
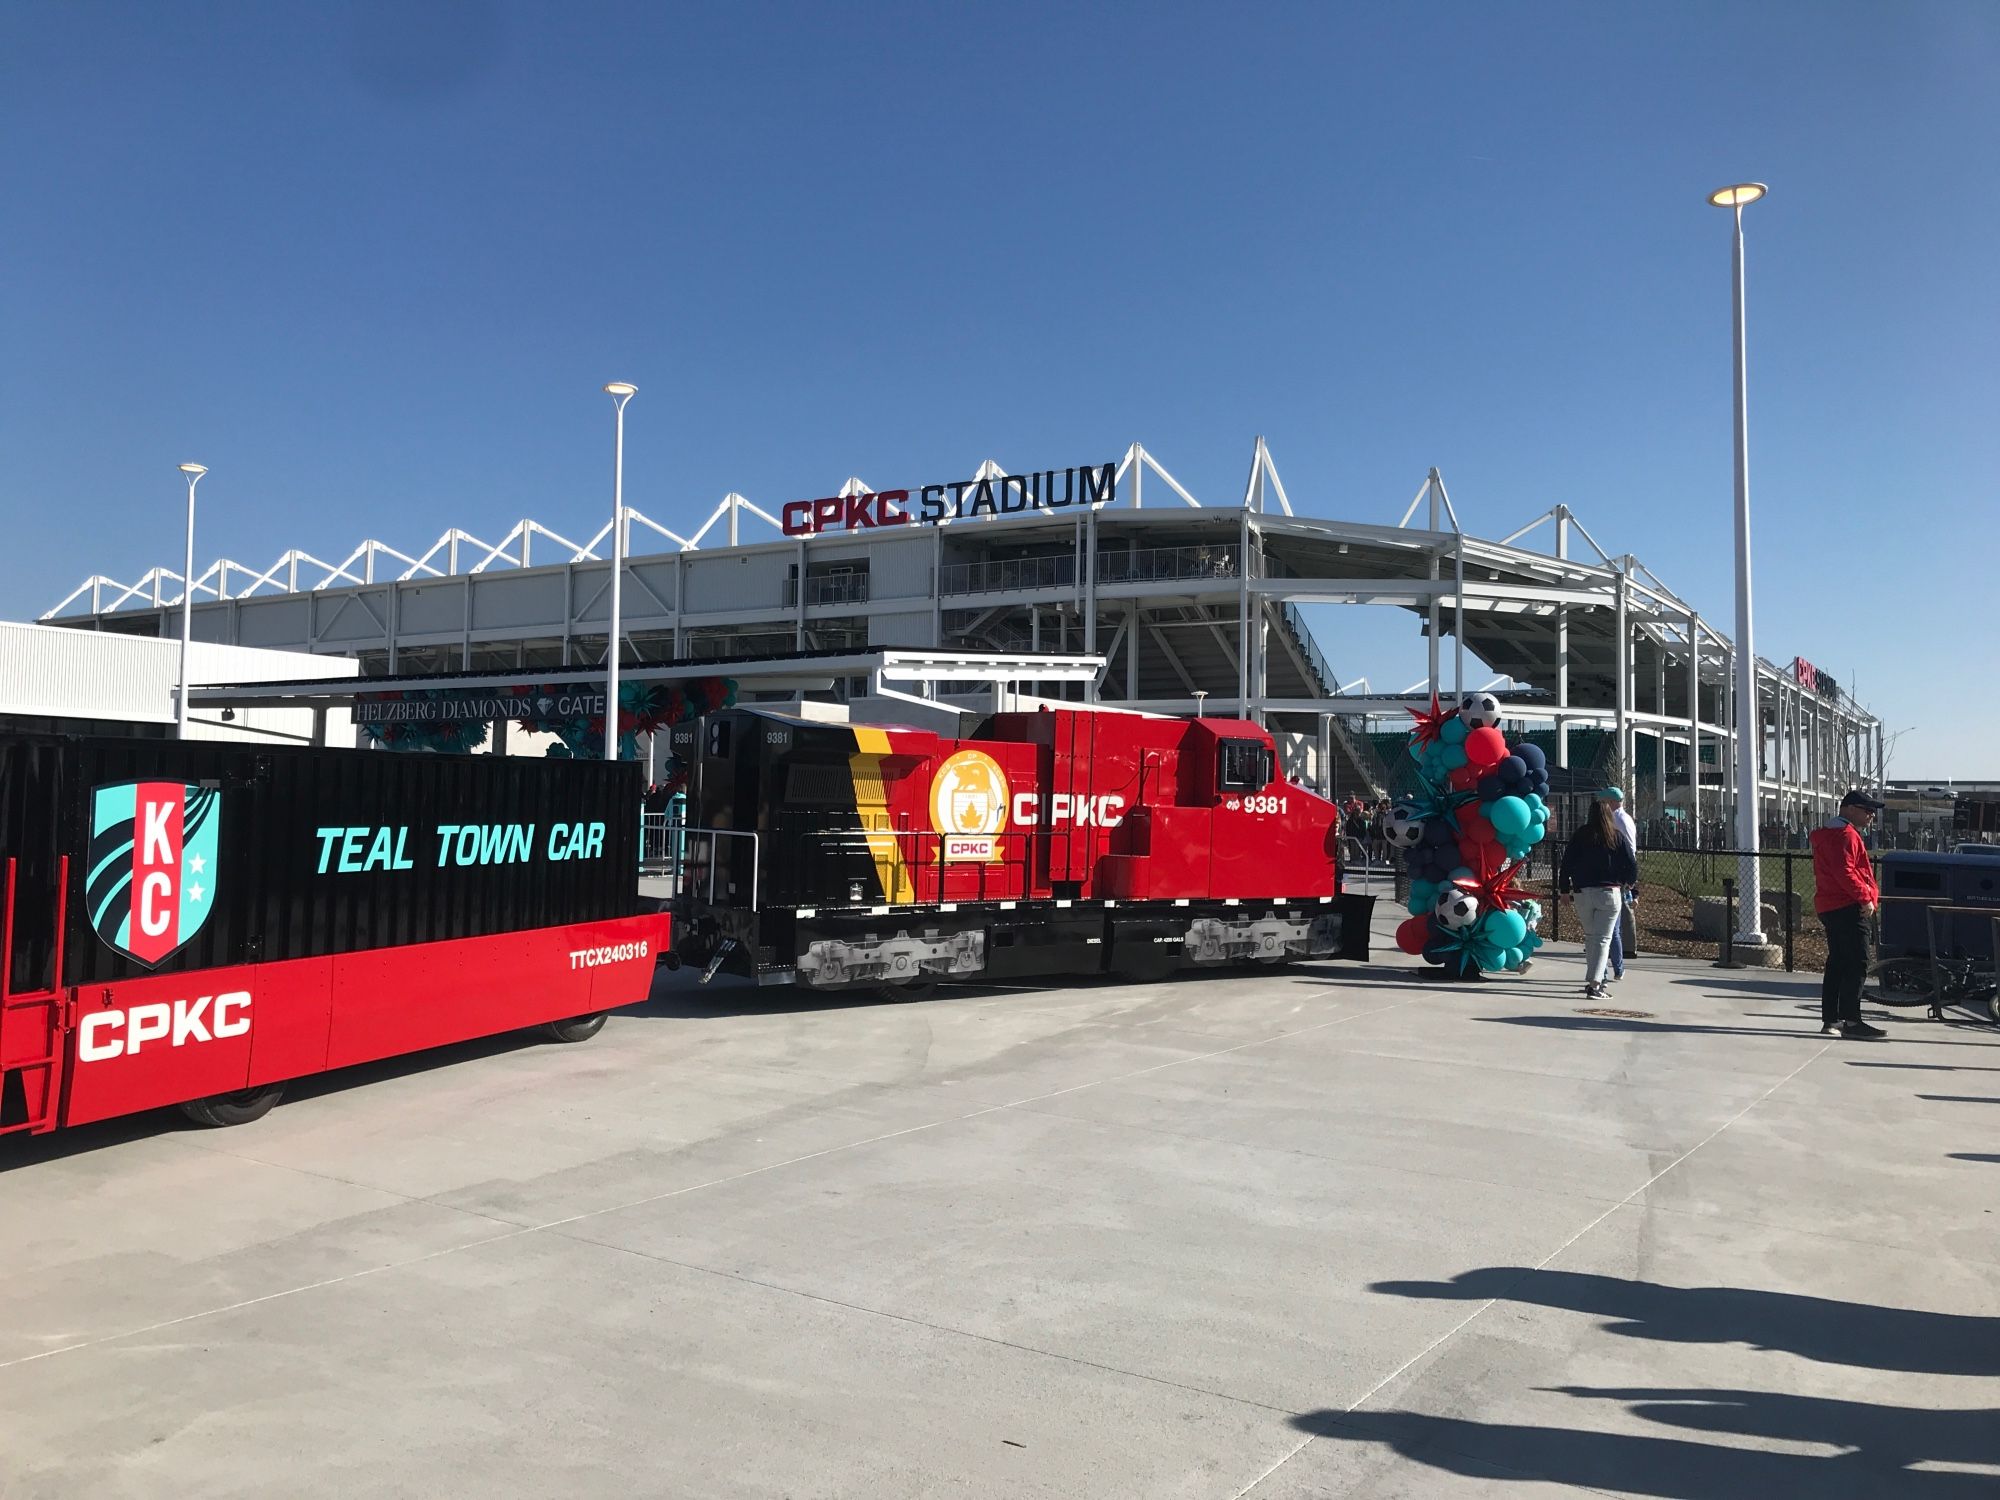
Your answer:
<point x="1403" y="827"/>
<point x="1479" y="711"/>
<point x="1457" y="908"/>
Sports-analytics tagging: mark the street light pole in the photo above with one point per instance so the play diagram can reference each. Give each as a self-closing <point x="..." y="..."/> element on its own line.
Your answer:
<point x="1749" y="722"/>
<point x="620" y="392"/>
<point x="193" y="473"/>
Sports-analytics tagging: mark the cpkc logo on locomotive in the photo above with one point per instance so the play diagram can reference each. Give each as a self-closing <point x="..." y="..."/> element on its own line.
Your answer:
<point x="969" y="805"/>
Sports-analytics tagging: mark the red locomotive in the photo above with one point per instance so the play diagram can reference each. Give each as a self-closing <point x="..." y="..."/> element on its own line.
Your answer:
<point x="1063" y="841"/>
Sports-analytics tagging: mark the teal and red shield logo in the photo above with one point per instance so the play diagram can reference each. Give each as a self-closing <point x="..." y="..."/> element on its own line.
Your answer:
<point x="152" y="868"/>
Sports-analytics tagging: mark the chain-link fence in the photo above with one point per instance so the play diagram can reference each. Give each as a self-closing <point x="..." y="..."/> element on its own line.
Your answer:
<point x="1682" y="910"/>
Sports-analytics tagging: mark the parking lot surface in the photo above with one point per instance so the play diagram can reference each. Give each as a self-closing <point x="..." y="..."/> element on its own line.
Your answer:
<point x="1317" y="1231"/>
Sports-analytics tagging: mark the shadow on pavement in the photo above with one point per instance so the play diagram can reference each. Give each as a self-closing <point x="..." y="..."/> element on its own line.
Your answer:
<point x="1884" y="1452"/>
<point x="1611" y="1023"/>
<point x="1823" y="1329"/>
<point x="1881" y="1447"/>
<point x="1972" y="1156"/>
<point x="1614" y="1023"/>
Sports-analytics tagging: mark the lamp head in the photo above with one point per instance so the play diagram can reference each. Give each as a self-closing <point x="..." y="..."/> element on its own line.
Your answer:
<point x="195" y="469"/>
<point x="622" y="389"/>
<point x="1738" y="195"/>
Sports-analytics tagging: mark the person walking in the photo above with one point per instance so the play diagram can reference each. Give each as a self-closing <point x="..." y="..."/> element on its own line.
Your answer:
<point x="1598" y="867"/>
<point x="1845" y="895"/>
<point x="1615" y="797"/>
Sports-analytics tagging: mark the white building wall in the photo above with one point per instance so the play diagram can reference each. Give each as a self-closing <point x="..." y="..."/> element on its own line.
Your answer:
<point x="50" y="672"/>
<point x="901" y="569"/>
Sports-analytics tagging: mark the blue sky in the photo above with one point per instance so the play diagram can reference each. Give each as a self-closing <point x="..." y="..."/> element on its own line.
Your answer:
<point x="371" y="263"/>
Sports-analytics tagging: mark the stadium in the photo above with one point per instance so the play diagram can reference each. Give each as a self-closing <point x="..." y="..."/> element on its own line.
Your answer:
<point x="1190" y="607"/>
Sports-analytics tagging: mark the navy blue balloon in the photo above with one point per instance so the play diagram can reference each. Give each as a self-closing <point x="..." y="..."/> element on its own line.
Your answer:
<point x="1491" y="787"/>
<point x="1512" y="771"/>
<point x="1533" y="755"/>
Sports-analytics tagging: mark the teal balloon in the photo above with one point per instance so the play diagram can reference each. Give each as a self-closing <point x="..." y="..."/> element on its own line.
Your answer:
<point x="1425" y="891"/>
<point x="1510" y="818"/>
<point x="1417" y="748"/>
<point x="1504" y="929"/>
<point x="1418" y="906"/>
<point x="1463" y="872"/>
<point x="1454" y="756"/>
<point x="1541" y="832"/>
<point x="1454" y="731"/>
<point x="1515" y="958"/>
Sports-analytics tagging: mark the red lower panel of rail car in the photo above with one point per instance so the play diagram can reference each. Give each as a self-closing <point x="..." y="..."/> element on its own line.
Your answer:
<point x="142" y="1043"/>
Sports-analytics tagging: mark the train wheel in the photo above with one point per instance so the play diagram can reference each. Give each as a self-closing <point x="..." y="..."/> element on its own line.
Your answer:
<point x="239" y="1108"/>
<point x="901" y="991"/>
<point x="576" y="1028"/>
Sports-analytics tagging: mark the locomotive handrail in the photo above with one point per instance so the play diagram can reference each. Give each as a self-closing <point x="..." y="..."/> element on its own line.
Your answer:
<point x="848" y="839"/>
<point x="690" y="834"/>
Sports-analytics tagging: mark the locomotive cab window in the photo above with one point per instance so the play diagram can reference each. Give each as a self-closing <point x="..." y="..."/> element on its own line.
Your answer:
<point x="1245" y="766"/>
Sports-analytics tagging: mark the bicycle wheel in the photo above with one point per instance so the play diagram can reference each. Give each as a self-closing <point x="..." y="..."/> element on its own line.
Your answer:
<point x="1901" y="981"/>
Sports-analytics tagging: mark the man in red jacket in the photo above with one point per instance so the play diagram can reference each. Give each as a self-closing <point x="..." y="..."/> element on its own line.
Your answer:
<point x="1845" y="896"/>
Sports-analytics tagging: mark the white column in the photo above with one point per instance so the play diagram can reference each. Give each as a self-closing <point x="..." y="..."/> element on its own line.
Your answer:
<point x="1694" y="726"/>
<point x="1562" y="647"/>
<point x="1243" y="614"/>
<point x="1750" y="891"/>
<point x="1435" y="573"/>
<point x="1622" y="667"/>
<point x="1458" y="620"/>
<point x="1132" y="655"/>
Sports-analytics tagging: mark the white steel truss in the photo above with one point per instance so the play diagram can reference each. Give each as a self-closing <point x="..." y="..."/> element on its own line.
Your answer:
<point x="1550" y="620"/>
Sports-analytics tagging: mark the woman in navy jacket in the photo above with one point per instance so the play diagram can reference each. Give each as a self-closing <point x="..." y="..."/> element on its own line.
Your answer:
<point x="1597" y="869"/>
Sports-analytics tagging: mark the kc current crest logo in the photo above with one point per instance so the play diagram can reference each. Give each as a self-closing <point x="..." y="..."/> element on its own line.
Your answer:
<point x="152" y="873"/>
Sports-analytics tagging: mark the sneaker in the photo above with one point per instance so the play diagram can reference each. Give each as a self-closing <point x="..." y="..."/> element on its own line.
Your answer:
<point x="1593" y="992"/>
<point x="1861" y="1031"/>
<point x="1526" y="964"/>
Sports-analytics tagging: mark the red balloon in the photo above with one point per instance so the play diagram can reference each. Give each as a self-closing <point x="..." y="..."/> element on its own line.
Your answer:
<point x="1413" y="934"/>
<point x="1485" y="748"/>
<point x="1465" y="778"/>
<point x="1473" y="827"/>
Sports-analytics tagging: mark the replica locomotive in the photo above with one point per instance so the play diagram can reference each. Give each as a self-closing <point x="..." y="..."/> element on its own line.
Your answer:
<point x="1059" y="841"/>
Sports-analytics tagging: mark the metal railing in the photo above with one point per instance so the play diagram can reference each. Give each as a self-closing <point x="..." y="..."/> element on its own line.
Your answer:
<point x="1169" y="564"/>
<point x="675" y="849"/>
<point x="1115" y="566"/>
<point x="1008" y="575"/>
<point x="830" y="588"/>
<point x="924" y="849"/>
<point x="1295" y="627"/>
<point x="688" y="859"/>
<point x="1665" y="919"/>
<point x="659" y="842"/>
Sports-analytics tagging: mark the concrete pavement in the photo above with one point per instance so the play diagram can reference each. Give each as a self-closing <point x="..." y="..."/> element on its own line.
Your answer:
<point x="1324" y="1231"/>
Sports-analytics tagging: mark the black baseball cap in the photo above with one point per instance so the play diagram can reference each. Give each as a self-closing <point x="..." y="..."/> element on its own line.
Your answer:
<point x="1859" y="798"/>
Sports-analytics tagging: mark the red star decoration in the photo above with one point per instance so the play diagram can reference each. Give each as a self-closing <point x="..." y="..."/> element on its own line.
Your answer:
<point x="1431" y="721"/>
<point x="1495" y="887"/>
